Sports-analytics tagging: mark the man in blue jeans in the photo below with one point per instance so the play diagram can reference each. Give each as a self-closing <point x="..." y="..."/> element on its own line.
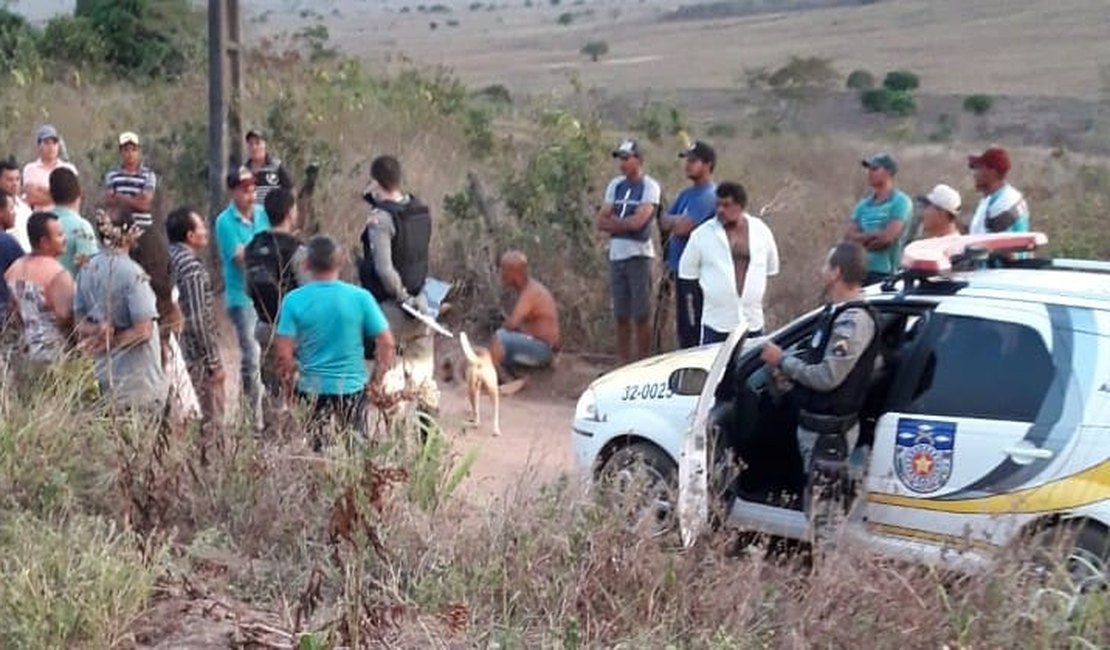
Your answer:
<point x="235" y="227"/>
<point x="321" y="331"/>
<point x="694" y="206"/>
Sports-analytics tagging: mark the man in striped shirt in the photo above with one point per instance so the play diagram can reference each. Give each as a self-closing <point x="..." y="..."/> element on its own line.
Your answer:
<point x="269" y="173"/>
<point x="188" y="235"/>
<point x="132" y="184"/>
<point x="131" y="187"/>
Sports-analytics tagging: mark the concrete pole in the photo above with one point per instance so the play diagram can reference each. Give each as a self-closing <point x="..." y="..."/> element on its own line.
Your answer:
<point x="235" y="77"/>
<point x="217" y="147"/>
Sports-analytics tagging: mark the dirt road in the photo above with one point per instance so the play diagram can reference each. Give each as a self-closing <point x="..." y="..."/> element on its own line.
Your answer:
<point x="535" y="444"/>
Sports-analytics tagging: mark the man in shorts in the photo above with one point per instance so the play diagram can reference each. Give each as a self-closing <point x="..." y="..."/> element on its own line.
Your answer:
<point x="631" y="201"/>
<point x="530" y="336"/>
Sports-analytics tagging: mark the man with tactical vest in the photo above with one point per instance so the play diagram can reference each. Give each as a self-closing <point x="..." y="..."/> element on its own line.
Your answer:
<point x="393" y="268"/>
<point x="631" y="201"/>
<point x="275" y="265"/>
<point x="269" y="173"/>
<point x="832" y="371"/>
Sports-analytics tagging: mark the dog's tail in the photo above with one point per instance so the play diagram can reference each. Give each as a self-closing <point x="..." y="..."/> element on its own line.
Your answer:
<point x="468" y="351"/>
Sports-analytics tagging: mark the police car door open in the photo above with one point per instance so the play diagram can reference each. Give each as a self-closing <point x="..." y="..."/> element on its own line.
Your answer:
<point x="975" y="417"/>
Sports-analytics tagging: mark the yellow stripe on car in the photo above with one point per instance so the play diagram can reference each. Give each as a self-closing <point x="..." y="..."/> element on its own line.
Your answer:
<point x="1089" y="486"/>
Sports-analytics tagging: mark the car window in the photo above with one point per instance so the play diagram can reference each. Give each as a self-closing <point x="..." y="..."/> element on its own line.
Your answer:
<point x="979" y="368"/>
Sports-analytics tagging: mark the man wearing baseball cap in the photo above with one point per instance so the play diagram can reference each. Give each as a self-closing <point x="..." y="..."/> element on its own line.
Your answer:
<point x="235" y="227"/>
<point x="631" y="201"/>
<point x="268" y="171"/>
<point x="131" y="184"/>
<point x="694" y="206"/>
<point x="36" y="174"/>
<point x="1002" y="208"/>
<point x="940" y="212"/>
<point x="879" y="220"/>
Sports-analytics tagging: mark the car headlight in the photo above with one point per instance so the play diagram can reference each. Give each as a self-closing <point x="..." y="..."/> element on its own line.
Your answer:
<point x="586" y="409"/>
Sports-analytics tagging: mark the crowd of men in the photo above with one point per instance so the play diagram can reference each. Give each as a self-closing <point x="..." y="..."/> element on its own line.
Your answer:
<point x="719" y="257"/>
<point x="131" y="289"/>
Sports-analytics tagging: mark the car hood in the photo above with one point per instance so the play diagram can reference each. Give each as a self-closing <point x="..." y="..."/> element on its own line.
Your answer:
<point x="659" y="367"/>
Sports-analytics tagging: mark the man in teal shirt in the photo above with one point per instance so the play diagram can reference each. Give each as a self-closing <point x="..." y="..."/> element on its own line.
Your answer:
<point x="879" y="221"/>
<point x="235" y="227"/>
<point x="321" y="331"/>
<point x="65" y="192"/>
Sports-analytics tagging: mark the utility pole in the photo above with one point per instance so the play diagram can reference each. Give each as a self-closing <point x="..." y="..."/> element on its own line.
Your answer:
<point x="224" y="95"/>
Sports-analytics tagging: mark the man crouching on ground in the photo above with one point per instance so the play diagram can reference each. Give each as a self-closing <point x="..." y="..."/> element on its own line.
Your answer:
<point x="320" y="332"/>
<point x="530" y="335"/>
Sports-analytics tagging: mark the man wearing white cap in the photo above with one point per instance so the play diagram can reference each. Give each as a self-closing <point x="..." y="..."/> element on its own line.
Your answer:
<point x="131" y="185"/>
<point x="36" y="175"/>
<point x="940" y="212"/>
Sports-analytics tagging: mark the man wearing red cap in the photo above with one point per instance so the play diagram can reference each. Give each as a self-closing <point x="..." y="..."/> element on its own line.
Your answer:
<point x="1002" y="208"/>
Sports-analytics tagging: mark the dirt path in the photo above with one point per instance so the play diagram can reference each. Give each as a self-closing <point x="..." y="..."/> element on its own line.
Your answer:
<point x="534" y="447"/>
<point x="535" y="443"/>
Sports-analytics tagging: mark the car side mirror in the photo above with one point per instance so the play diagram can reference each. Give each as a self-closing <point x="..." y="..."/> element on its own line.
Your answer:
<point x="687" y="381"/>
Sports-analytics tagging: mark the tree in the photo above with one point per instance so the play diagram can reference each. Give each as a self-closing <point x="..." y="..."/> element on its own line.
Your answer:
<point x="978" y="104"/>
<point x="875" y="100"/>
<point x="566" y="18"/>
<point x="860" y="80"/>
<point x="595" y="49"/>
<point x="145" y="38"/>
<point x="901" y="80"/>
<point x="902" y="103"/>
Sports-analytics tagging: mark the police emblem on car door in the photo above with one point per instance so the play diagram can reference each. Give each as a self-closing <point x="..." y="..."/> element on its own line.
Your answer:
<point x="923" y="452"/>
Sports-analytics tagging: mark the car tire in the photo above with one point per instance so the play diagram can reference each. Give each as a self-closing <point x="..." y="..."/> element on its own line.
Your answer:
<point x="1080" y="550"/>
<point x="649" y="470"/>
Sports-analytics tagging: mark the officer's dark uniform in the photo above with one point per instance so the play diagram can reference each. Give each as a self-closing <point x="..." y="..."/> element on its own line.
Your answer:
<point x="832" y="373"/>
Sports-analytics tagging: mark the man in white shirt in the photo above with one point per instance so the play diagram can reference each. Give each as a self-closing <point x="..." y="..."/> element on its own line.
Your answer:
<point x="12" y="183"/>
<point x="631" y="201"/>
<point x="1003" y="208"/>
<point x="731" y="257"/>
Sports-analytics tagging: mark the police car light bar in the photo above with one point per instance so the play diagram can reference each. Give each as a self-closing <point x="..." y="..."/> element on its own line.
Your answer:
<point x="935" y="256"/>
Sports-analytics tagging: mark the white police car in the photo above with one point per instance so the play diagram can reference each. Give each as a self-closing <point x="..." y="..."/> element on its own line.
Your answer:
<point x="988" y="418"/>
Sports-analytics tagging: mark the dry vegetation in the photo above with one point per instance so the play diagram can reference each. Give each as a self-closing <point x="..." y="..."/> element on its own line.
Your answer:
<point x="113" y="536"/>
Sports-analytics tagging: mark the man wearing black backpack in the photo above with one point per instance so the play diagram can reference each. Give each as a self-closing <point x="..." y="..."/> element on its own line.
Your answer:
<point x="394" y="267"/>
<point x="275" y="265"/>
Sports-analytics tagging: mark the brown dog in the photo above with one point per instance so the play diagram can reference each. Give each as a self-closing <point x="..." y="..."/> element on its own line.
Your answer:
<point x="481" y="377"/>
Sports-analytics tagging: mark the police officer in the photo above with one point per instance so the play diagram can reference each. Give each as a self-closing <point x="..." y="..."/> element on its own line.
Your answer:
<point x="269" y="173"/>
<point x="832" y="371"/>
<point x="393" y="269"/>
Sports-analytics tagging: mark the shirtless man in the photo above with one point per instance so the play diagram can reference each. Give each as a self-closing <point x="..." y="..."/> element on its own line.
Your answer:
<point x="731" y="258"/>
<point x="530" y="336"/>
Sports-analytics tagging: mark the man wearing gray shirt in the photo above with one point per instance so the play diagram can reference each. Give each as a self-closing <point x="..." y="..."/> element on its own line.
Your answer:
<point x="116" y="314"/>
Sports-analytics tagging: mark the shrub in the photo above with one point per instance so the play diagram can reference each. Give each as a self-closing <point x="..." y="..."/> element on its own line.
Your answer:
<point x="595" y="49"/>
<point x="80" y="582"/>
<point x="860" y="80"/>
<point x="18" y="43"/>
<point x="978" y="104"/>
<point x="565" y="18"/>
<point x="876" y="100"/>
<point x="902" y="103"/>
<point x="496" y="93"/>
<point x="901" y="80"/>
<point x="145" y="38"/>
<point x="73" y="40"/>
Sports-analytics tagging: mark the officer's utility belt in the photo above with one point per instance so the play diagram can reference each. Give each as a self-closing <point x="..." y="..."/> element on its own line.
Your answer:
<point x="836" y="425"/>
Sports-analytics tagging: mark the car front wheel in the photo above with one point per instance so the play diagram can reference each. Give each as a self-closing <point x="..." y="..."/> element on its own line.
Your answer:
<point x="641" y="481"/>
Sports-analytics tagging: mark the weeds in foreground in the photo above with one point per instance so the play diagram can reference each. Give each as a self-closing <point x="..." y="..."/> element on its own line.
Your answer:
<point x="273" y="545"/>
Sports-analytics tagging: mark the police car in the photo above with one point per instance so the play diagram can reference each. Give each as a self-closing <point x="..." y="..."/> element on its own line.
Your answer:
<point x="987" y="418"/>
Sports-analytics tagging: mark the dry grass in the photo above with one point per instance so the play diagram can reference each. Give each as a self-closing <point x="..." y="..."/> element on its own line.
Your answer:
<point x="958" y="47"/>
